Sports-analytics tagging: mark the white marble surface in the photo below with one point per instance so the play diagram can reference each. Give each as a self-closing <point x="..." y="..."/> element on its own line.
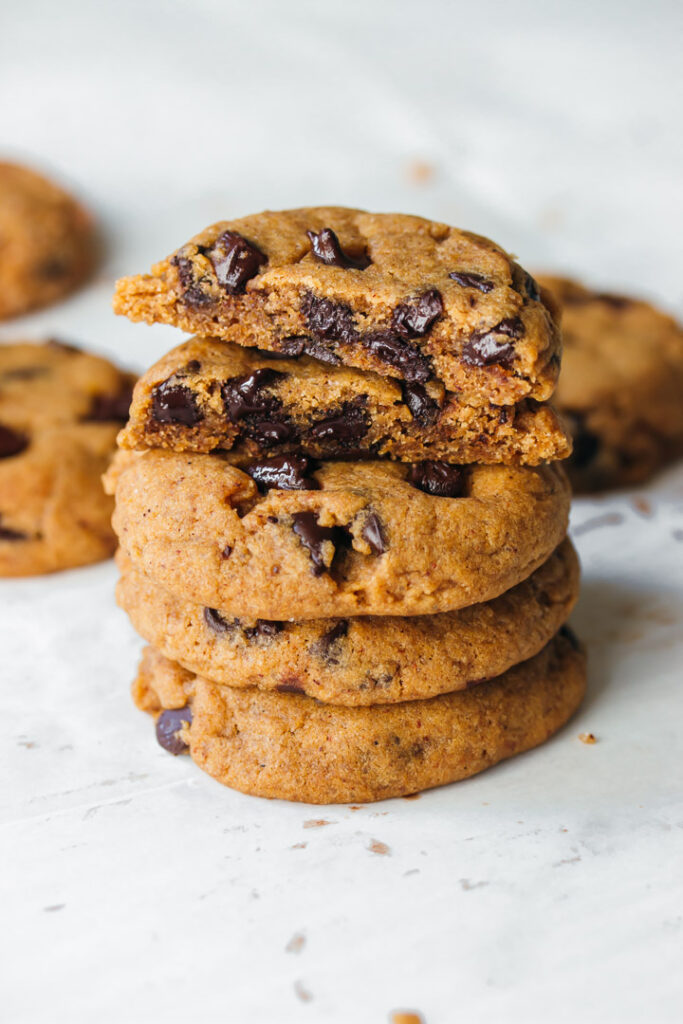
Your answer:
<point x="134" y="889"/>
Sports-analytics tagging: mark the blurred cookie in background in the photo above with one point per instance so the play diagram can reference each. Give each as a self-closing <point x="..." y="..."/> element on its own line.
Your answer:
<point x="60" y="411"/>
<point x="47" y="241"/>
<point x="621" y="386"/>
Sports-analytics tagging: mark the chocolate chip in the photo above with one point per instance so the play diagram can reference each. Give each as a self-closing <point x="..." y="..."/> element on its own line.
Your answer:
<point x="503" y="414"/>
<point x="290" y="686"/>
<point x="523" y="282"/>
<point x="264" y="628"/>
<point x="415" y="319"/>
<point x="313" y="537"/>
<point x="568" y="633"/>
<point x="175" y="403"/>
<point x="484" y="349"/>
<point x="326" y="248"/>
<point x="111" y="407"/>
<point x="328" y="320"/>
<point x="344" y="428"/>
<point x="235" y="261"/>
<point x="373" y="533"/>
<point x="422" y="406"/>
<point x="440" y="479"/>
<point x="396" y="352"/>
<point x="269" y="432"/>
<point x="323" y="353"/>
<point x="7" y="533"/>
<point x="194" y="366"/>
<point x="216" y="622"/>
<point x="226" y="552"/>
<point x="241" y="395"/>
<point x="468" y="279"/>
<point x="24" y="373"/>
<point x="192" y="280"/>
<point x="586" y="444"/>
<point x="284" y="472"/>
<point x="11" y="442"/>
<point x="169" y="724"/>
<point x="291" y="347"/>
<point x="327" y="646"/>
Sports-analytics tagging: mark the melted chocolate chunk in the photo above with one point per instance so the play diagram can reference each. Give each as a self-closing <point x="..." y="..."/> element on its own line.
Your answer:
<point x="111" y="407"/>
<point x="568" y="633"/>
<point x="191" y="280"/>
<point x="484" y="349"/>
<point x="284" y="472"/>
<point x="241" y="395"/>
<point x="313" y="537"/>
<point x="327" y="647"/>
<point x="264" y="628"/>
<point x="175" y="403"/>
<point x="269" y="432"/>
<point x="216" y="622"/>
<point x="423" y="408"/>
<point x="343" y="429"/>
<point x="235" y="261"/>
<point x="468" y="279"/>
<point x="373" y="533"/>
<point x="11" y="442"/>
<point x="328" y="320"/>
<point x="327" y="248"/>
<point x="415" y="319"/>
<point x="438" y="478"/>
<point x="169" y="723"/>
<point x="290" y="686"/>
<point x="400" y="354"/>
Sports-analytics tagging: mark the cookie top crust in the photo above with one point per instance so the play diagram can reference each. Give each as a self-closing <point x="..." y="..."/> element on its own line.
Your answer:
<point x="400" y="295"/>
<point x="60" y="410"/>
<point x="208" y="394"/>
<point x="621" y="386"/>
<point x="338" y="538"/>
<point x="47" y="244"/>
<point x="360" y="661"/>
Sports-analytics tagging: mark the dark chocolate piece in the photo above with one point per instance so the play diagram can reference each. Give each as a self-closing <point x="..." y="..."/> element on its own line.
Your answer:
<point x="242" y="395"/>
<point x="175" y="403"/>
<point x="327" y="647"/>
<point x="484" y="349"/>
<point x="373" y="533"/>
<point x="313" y="536"/>
<point x="326" y="247"/>
<point x="423" y="408"/>
<point x="343" y="428"/>
<point x="235" y="261"/>
<point x="111" y="407"/>
<point x="415" y="319"/>
<point x="328" y="320"/>
<point x="168" y="725"/>
<point x="468" y="279"/>
<point x="284" y="472"/>
<point x="11" y="442"/>
<point x="389" y="348"/>
<point x="441" y="479"/>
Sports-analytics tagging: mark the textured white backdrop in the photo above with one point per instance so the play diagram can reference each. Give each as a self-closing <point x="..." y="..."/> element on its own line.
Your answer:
<point x="548" y="889"/>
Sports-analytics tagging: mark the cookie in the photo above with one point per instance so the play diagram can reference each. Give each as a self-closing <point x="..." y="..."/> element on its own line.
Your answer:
<point x="291" y="747"/>
<point x="46" y="241"/>
<point x="402" y="296"/>
<point x="359" y="661"/>
<point x="60" y="410"/>
<point x="621" y="386"/>
<point x="348" y="538"/>
<point x="208" y="394"/>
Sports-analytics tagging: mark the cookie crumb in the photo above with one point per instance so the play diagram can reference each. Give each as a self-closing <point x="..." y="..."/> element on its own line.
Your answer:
<point x="420" y="172"/>
<point x="296" y="943"/>
<point x="317" y="823"/>
<point x="303" y="994"/>
<point x="378" y="847"/>
<point x="587" y="737"/>
<point x="406" y="1017"/>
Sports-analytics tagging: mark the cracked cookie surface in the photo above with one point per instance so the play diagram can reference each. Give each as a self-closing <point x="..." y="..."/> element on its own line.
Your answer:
<point x="291" y="747"/>
<point x="46" y="241"/>
<point x="402" y="296"/>
<point x="207" y="394"/>
<point x="60" y="410"/>
<point x="358" y="661"/>
<point x="621" y="386"/>
<point x="335" y="539"/>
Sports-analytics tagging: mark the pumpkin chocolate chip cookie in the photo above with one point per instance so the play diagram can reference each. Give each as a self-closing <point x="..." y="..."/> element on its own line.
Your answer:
<point x="621" y="386"/>
<point x="287" y="538"/>
<point x="60" y="410"/>
<point x="401" y="296"/>
<point x="207" y="395"/>
<point x="291" y="747"/>
<point x="46" y="241"/>
<point x="357" y="661"/>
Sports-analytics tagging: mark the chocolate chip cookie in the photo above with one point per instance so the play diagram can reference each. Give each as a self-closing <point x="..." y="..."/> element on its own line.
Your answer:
<point x="60" y="410"/>
<point x="46" y="241"/>
<point x="359" y="661"/>
<point x="291" y="747"/>
<point x="621" y="386"/>
<point x="288" y="538"/>
<point x="401" y="296"/>
<point x="208" y="394"/>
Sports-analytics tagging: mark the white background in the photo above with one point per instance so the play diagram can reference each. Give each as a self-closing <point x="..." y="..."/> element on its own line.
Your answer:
<point x="547" y="889"/>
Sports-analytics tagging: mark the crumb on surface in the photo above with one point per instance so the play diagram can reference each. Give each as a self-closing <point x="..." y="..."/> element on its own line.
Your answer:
<point x="587" y="737"/>
<point x="406" y="1017"/>
<point x="420" y="172"/>
<point x="317" y="823"/>
<point x="378" y="847"/>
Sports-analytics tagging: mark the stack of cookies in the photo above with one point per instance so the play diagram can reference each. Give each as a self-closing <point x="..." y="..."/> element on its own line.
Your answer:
<point x="341" y="519"/>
